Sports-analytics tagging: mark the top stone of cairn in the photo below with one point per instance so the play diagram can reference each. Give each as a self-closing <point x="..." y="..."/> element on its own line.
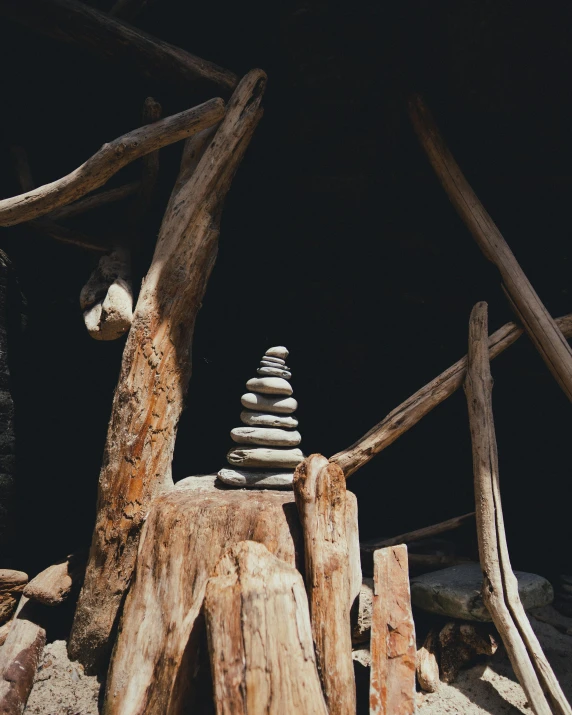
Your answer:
<point x="278" y="352"/>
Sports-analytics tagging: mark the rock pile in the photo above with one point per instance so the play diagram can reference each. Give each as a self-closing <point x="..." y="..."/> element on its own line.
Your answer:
<point x="268" y="445"/>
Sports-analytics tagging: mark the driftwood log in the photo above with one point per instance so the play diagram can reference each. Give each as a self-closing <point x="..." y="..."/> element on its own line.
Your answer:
<point x="320" y="489"/>
<point x="108" y="161"/>
<point x="260" y="638"/>
<point x="535" y="319"/>
<point x="188" y="529"/>
<point x="53" y="585"/>
<point x="500" y="591"/>
<point x="426" y="664"/>
<point x="409" y="413"/>
<point x="393" y="652"/>
<point x="155" y="372"/>
<point x="95" y="201"/>
<point x="110" y="38"/>
<point x="425" y="533"/>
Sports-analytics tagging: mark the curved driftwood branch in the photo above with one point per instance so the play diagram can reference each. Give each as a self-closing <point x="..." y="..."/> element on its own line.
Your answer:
<point x="410" y="412"/>
<point x="108" y="161"/>
<point x="102" y="198"/>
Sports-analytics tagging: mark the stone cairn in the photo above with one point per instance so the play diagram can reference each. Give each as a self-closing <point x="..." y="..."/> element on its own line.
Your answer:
<point x="267" y="451"/>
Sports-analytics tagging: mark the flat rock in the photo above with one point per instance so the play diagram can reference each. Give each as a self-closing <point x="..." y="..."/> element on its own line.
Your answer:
<point x="273" y="372"/>
<point x="278" y="352"/>
<point x="261" y="419"/>
<point x="11" y="586"/>
<point x="269" y="386"/>
<point x="275" y="404"/>
<point x="272" y="360"/>
<point x="266" y="436"/>
<point x="456" y="592"/>
<point x="272" y="479"/>
<point x="264" y="457"/>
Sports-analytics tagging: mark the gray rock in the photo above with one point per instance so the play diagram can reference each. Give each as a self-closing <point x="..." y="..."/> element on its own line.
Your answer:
<point x="261" y="419"/>
<point x="265" y="457"/>
<point x="266" y="436"/>
<point x="276" y="404"/>
<point x="273" y="360"/>
<point x="273" y="372"/>
<point x="257" y="480"/>
<point x="456" y="592"/>
<point x="278" y="352"/>
<point x="269" y="386"/>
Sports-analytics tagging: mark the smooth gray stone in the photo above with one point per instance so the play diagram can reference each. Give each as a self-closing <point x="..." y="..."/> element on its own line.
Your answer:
<point x="274" y="403"/>
<point x="456" y="592"/>
<point x="265" y="457"/>
<point x="273" y="360"/>
<point x="274" y="372"/>
<point x="266" y="436"/>
<point x="257" y="480"/>
<point x="261" y="419"/>
<point x="276" y="365"/>
<point x="269" y="386"/>
<point x="278" y="352"/>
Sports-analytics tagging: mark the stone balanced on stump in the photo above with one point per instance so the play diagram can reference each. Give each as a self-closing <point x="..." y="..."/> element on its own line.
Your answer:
<point x="267" y="451"/>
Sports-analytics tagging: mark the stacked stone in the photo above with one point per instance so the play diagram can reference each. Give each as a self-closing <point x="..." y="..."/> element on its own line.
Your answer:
<point x="269" y="442"/>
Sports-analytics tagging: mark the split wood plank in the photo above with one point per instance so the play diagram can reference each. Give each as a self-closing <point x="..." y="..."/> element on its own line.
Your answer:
<point x="497" y="571"/>
<point x="108" y="161"/>
<point x="536" y="320"/>
<point x="260" y="637"/>
<point x="112" y="39"/>
<point x="155" y="373"/>
<point x="188" y="530"/>
<point x="409" y="413"/>
<point x="320" y="491"/>
<point x="393" y="650"/>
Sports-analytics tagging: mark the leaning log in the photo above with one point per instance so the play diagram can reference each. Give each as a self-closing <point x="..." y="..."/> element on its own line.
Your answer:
<point x="108" y="161"/>
<point x="320" y="489"/>
<point x="111" y="39"/>
<point x="260" y="638"/>
<point x="188" y="529"/>
<point x="535" y="319"/>
<point x="155" y="372"/>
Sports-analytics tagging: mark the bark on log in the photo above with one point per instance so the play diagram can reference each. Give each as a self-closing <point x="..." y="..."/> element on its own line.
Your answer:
<point x="260" y="637"/>
<point x="19" y="658"/>
<point x="320" y="491"/>
<point x="108" y="161"/>
<point x="536" y="320"/>
<point x="53" y="585"/>
<point x="490" y="529"/>
<point x="409" y="413"/>
<point x="393" y="652"/>
<point x="110" y="38"/>
<point x="188" y="529"/>
<point x="155" y="373"/>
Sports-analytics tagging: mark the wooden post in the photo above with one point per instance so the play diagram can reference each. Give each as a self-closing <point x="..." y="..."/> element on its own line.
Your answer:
<point x="501" y="601"/>
<point x="320" y="491"/>
<point x="155" y="373"/>
<point x="393" y="651"/>
<point x="260" y="638"/>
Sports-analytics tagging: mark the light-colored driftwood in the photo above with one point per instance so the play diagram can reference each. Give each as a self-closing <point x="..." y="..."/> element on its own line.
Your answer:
<point x="425" y="533"/>
<point x="110" y="38"/>
<point x="393" y="652"/>
<point x="19" y="658"/>
<point x="155" y="373"/>
<point x="12" y="584"/>
<point x="260" y="637"/>
<point x="409" y="413"/>
<point x="108" y="161"/>
<point x="95" y="201"/>
<point x="188" y="529"/>
<point x="320" y="491"/>
<point x="494" y="563"/>
<point x="535" y="319"/>
<point x="53" y="585"/>
<point x="427" y="667"/>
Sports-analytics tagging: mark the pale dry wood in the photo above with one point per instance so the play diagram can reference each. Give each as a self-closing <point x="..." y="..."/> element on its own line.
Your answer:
<point x="536" y="320"/>
<point x="409" y="413"/>
<point x="393" y="652"/>
<point x="320" y="491"/>
<point x="427" y="667"/>
<point x="425" y="533"/>
<point x="19" y="657"/>
<point x="53" y="585"/>
<point x="188" y="529"/>
<point x="12" y="584"/>
<point x="260" y="637"/>
<point x="108" y="161"/>
<point x="110" y="38"/>
<point x="478" y="388"/>
<point x="95" y="201"/>
<point x="155" y="372"/>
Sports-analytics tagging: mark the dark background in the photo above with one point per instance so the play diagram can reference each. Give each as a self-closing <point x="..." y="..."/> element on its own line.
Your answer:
<point x="337" y="241"/>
